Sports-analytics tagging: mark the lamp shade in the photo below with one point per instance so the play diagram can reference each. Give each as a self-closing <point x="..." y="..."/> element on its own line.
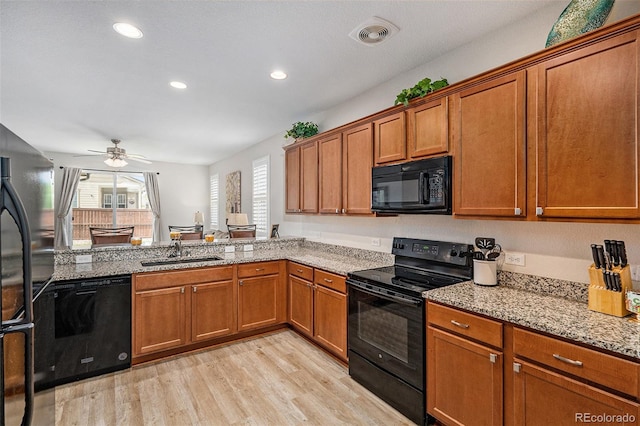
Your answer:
<point x="237" y="219"/>
<point x="198" y="218"/>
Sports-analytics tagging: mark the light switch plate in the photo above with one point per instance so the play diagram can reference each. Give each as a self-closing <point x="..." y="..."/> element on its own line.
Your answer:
<point x="84" y="258"/>
<point x="229" y="249"/>
<point x="248" y="247"/>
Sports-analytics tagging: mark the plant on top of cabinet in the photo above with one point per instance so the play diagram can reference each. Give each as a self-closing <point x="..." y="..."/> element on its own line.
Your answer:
<point x="302" y="130"/>
<point x="421" y="89"/>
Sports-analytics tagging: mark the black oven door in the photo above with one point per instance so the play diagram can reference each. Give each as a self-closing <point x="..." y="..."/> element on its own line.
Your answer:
<point x="388" y="331"/>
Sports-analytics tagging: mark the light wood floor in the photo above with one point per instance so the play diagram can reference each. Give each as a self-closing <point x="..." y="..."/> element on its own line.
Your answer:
<point x="278" y="379"/>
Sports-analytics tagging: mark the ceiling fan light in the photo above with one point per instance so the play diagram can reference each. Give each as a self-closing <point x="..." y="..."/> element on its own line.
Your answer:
<point x="127" y="30"/>
<point x="115" y="162"/>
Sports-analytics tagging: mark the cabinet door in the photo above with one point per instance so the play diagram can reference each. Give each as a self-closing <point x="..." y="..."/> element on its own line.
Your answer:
<point x="301" y="305"/>
<point x="464" y="380"/>
<point x="543" y="397"/>
<point x="489" y="163"/>
<point x="257" y="302"/>
<point x="330" y="320"/>
<point x="309" y="178"/>
<point x="212" y="310"/>
<point x="357" y="147"/>
<point x="587" y="132"/>
<point x="390" y="139"/>
<point x="330" y="174"/>
<point x="428" y="129"/>
<point x="159" y="320"/>
<point x="292" y="180"/>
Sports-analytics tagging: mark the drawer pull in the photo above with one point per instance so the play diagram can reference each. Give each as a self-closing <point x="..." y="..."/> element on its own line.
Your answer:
<point x="182" y="290"/>
<point x="567" y="360"/>
<point x="328" y="280"/>
<point x="259" y="269"/>
<point x="241" y="283"/>
<point x="299" y="270"/>
<point x="195" y="289"/>
<point x="459" y="324"/>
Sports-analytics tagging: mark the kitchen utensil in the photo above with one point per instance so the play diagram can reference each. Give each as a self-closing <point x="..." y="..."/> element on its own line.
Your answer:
<point x="478" y="255"/>
<point x="622" y="252"/>
<point x="485" y="245"/>
<point x="605" y="278"/>
<point x="493" y="255"/>
<point x="615" y="257"/>
<point x="594" y="254"/>
<point x="601" y="258"/>
<point x="618" y="281"/>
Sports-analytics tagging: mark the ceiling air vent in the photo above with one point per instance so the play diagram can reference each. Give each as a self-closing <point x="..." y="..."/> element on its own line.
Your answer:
<point x="374" y="31"/>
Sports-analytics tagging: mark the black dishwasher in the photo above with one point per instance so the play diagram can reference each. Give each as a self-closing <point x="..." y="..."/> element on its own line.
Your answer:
<point x="87" y="325"/>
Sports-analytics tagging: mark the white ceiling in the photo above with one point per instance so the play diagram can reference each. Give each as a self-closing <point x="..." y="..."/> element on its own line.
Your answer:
<point x="69" y="83"/>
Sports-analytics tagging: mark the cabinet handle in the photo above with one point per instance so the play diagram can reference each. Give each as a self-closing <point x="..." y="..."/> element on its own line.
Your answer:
<point x="259" y="269"/>
<point x="328" y="280"/>
<point x="493" y="358"/>
<point x="344" y="211"/>
<point x="195" y="289"/>
<point x="337" y="211"/>
<point x="517" y="211"/>
<point x="567" y="360"/>
<point x="241" y="283"/>
<point x="516" y="367"/>
<point x="299" y="270"/>
<point x="459" y="324"/>
<point x="182" y="290"/>
<point x="539" y="211"/>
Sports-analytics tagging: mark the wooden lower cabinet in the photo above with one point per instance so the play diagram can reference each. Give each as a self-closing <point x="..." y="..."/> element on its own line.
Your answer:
<point x="212" y="310"/>
<point x="464" y="380"/>
<point x="160" y="321"/>
<point x="330" y="320"/>
<point x="543" y="397"/>
<point x="301" y="305"/>
<point x="261" y="294"/>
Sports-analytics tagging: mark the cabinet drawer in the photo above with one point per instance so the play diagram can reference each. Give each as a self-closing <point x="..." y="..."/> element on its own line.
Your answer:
<point x="155" y="280"/>
<point x="469" y="325"/>
<point x="301" y="271"/>
<point x="333" y="281"/>
<point x="606" y="370"/>
<point x="258" y="269"/>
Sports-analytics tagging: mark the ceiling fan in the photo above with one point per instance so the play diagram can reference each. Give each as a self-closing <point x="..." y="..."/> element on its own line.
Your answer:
<point x="116" y="156"/>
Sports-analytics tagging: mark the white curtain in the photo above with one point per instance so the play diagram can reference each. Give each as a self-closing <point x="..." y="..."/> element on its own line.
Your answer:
<point x="153" y="192"/>
<point x="63" y="228"/>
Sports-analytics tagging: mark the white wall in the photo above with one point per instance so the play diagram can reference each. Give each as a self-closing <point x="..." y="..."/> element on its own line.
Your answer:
<point x="559" y="250"/>
<point x="184" y="188"/>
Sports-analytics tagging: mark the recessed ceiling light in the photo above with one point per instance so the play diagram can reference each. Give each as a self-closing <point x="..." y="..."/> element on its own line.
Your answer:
<point x="178" y="85"/>
<point x="127" y="30"/>
<point x="278" y="75"/>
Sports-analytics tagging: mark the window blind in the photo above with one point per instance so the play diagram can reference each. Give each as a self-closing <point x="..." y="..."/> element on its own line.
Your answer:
<point x="214" y="191"/>
<point x="261" y="196"/>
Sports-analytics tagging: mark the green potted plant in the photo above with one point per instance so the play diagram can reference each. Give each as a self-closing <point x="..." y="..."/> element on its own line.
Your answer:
<point x="302" y="130"/>
<point x="422" y="88"/>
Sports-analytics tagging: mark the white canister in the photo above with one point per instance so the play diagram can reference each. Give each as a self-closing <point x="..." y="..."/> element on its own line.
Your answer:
<point x="484" y="272"/>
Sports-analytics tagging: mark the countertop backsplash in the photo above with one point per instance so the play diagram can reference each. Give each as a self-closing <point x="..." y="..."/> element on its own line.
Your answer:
<point x="549" y="286"/>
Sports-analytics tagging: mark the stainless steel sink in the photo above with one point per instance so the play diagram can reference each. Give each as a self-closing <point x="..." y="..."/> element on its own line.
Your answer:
<point x="178" y="260"/>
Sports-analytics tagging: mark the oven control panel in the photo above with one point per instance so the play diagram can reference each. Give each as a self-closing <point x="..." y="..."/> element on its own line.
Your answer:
<point x="437" y="251"/>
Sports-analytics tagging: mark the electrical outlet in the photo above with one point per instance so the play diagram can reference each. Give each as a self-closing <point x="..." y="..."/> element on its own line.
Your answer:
<point x="375" y="242"/>
<point x="229" y="249"/>
<point x="517" y="259"/>
<point x="84" y="258"/>
<point x="635" y="272"/>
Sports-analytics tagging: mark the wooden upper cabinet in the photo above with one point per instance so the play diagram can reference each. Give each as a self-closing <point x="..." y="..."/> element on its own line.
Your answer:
<point x="427" y="129"/>
<point x="357" y="161"/>
<point x="490" y="148"/>
<point x="292" y="179"/>
<point x="309" y="178"/>
<point x="330" y="174"/>
<point x="586" y="138"/>
<point x="390" y="142"/>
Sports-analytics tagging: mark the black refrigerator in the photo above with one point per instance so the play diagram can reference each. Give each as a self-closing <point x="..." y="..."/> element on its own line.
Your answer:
<point x="26" y="263"/>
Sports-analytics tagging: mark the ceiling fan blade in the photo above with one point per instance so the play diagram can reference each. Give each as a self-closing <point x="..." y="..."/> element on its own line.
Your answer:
<point x="94" y="150"/>
<point x="90" y="155"/>
<point x="139" y="160"/>
<point x="136" y="156"/>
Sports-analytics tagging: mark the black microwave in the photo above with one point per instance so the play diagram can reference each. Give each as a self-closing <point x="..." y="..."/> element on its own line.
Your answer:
<point x="422" y="186"/>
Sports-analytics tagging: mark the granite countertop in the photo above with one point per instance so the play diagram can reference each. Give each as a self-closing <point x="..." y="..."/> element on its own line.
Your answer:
<point x="339" y="263"/>
<point x="558" y="316"/>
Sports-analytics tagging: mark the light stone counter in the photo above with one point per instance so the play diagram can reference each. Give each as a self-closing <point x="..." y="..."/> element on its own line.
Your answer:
<point x="560" y="316"/>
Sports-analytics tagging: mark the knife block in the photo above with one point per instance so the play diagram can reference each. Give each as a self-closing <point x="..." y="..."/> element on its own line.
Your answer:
<point x="608" y="301"/>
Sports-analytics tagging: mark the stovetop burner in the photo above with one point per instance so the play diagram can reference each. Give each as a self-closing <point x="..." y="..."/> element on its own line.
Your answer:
<point x="420" y="265"/>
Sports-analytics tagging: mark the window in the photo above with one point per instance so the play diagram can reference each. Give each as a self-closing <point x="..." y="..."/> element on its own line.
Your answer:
<point x="261" y="196"/>
<point x="107" y="199"/>
<point x="214" y="192"/>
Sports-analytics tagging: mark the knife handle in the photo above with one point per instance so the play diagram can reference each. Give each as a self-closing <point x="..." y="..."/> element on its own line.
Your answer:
<point x="601" y="259"/>
<point x="615" y="256"/>
<point x="594" y="254"/>
<point x="607" y="247"/>
<point x="618" y="282"/>
<point x="605" y="278"/>
<point x="622" y="253"/>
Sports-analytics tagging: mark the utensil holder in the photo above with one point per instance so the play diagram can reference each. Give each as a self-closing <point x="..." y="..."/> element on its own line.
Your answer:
<point x="608" y="301"/>
<point x="485" y="272"/>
